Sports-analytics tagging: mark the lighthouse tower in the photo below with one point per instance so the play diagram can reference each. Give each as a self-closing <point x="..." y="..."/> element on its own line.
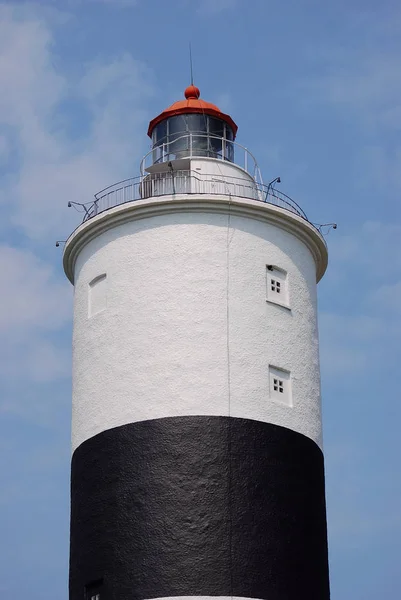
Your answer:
<point x="197" y="465"/>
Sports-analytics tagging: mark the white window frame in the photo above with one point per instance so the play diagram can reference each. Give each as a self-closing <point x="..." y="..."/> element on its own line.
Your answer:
<point x="277" y="278"/>
<point x="280" y="388"/>
<point x="92" y="309"/>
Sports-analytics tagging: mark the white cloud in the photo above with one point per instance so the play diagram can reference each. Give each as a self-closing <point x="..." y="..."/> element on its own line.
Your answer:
<point x="34" y="304"/>
<point x="351" y="516"/>
<point x="360" y="82"/>
<point x="388" y="297"/>
<point x="32" y="297"/>
<point x="56" y="168"/>
<point x="26" y="71"/>
<point x="359" y="75"/>
<point x="348" y="342"/>
<point x="365" y="83"/>
<point x="53" y="167"/>
<point x="364" y="275"/>
<point x="4" y="148"/>
<point x="373" y="249"/>
<point x="30" y="360"/>
<point x="379" y="169"/>
<point x="358" y="78"/>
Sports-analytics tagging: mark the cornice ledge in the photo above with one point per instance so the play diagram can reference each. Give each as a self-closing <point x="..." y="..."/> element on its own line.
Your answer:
<point x="142" y="209"/>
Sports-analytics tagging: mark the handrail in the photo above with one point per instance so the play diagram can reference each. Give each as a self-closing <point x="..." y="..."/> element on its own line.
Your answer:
<point x="187" y="182"/>
<point x="249" y="163"/>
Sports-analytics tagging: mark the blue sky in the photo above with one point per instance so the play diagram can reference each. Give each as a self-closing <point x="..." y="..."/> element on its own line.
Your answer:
<point x="316" y="91"/>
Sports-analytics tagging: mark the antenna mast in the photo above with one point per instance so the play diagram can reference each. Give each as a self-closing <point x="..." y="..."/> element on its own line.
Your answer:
<point x="190" y="63"/>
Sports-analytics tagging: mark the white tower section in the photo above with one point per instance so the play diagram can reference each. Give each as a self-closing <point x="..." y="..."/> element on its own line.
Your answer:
<point x="195" y="296"/>
<point x="175" y="314"/>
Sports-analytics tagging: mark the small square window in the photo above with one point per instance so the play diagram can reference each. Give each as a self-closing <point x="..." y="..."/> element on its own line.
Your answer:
<point x="277" y="285"/>
<point x="280" y="385"/>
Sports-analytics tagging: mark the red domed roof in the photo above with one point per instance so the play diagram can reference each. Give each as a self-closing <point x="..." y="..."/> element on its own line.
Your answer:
<point x="192" y="104"/>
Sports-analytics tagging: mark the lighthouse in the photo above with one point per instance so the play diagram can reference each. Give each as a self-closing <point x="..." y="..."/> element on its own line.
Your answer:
<point x="197" y="459"/>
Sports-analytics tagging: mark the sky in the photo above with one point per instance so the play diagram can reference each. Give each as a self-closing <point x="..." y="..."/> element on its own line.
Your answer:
<point x="315" y="88"/>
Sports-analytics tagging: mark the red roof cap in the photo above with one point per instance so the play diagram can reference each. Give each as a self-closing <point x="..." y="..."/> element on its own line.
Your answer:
<point x="192" y="92"/>
<point x="192" y="105"/>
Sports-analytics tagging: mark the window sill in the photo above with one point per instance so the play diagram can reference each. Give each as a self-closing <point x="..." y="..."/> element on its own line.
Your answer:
<point x="287" y="402"/>
<point x="279" y="304"/>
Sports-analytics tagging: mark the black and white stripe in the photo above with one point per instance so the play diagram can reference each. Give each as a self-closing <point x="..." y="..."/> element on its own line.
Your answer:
<point x="189" y="478"/>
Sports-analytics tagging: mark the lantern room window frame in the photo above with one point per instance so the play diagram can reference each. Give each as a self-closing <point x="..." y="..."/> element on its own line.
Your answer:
<point x="182" y="136"/>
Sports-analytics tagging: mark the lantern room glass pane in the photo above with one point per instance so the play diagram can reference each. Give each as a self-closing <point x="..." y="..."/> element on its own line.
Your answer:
<point x="196" y="134"/>
<point x="200" y="146"/>
<point x="229" y="133"/>
<point x="178" y="146"/>
<point x="177" y="126"/>
<point x="229" y="151"/>
<point x="216" y="127"/>
<point x="216" y="147"/>
<point x="160" y="133"/>
<point x="196" y="123"/>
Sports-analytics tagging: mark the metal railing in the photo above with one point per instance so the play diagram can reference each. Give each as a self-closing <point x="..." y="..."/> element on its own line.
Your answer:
<point x="201" y="145"/>
<point x="187" y="182"/>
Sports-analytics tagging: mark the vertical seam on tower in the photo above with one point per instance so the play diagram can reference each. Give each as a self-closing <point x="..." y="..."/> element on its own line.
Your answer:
<point x="229" y="390"/>
<point x="228" y="306"/>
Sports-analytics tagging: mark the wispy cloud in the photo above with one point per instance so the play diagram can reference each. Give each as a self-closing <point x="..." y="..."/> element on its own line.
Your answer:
<point x="360" y="78"/>
<point x="364" y="275"/>
<point x="370" y="249"/>
<point x="352" y="344"/>
<point x="32" y="296"/>
<point x="35" y="303"/>
<point x="49" y="165"/>
<point x="388" y="297"/>
<point x="378" y="167"/>
<point x="359" y="83"/>
<point x="369" y="85"/>
<point x="356" y="515"/>
<point x="53" y="167"/>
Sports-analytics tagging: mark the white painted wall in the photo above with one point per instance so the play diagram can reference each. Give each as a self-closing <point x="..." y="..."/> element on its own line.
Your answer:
<point x="210" y="166"/>
<point x="187" y="329"/>
<point x="223" y="177"/>
<point x="201" y="176"/>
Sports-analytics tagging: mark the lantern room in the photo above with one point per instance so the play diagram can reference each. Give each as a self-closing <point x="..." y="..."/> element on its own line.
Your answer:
<point x="194" y="151"/>
<point x="192" y="128"/>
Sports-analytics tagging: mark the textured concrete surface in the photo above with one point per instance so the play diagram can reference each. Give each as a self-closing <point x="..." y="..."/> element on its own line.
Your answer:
<point x="187" y="330"/>
<point x="193" y="506"/>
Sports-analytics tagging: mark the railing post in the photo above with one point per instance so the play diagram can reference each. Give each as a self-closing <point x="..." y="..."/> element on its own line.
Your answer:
<point x="190" y="144"/>
<point x="246" y="160"/>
